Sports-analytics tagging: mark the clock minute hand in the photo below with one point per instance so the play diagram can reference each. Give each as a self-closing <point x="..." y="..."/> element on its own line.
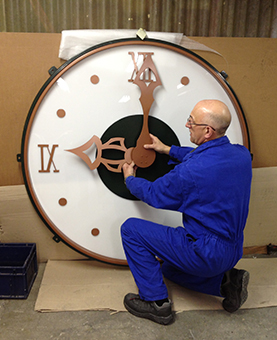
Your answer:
<point x="142" y="157"/>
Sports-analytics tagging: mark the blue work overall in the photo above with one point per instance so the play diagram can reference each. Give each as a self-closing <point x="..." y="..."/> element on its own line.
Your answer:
<point x="210" y="186"/>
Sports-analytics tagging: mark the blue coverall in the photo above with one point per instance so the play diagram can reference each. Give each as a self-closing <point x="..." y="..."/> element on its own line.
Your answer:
<point x="210" y="186"/>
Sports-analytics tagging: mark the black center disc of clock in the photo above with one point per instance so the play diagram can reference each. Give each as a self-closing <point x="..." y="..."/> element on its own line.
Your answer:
<point x="130" y="128"/>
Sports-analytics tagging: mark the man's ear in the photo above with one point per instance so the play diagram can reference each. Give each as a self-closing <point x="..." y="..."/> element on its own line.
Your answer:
<point x="209" y="132"/>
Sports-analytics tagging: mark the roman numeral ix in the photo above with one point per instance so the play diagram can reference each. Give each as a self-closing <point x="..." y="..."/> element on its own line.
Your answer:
<point x="48" y="155"/>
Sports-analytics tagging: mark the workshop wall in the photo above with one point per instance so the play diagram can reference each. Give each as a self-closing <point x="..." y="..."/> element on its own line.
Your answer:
<point x="206" y="18"/>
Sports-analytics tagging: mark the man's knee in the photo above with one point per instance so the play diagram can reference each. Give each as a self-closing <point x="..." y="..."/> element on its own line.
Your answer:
<point x="128" y="225"/>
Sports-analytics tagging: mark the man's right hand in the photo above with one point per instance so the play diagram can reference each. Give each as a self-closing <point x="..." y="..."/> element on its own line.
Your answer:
<point x="157" y="145"/>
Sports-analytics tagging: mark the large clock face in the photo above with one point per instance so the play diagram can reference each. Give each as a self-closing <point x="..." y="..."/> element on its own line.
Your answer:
<point x="87" y="121"/>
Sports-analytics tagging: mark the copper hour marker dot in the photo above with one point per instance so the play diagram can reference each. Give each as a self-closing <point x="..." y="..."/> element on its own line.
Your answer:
<point x="94" y="79"/>
<point x="62" y="202"/>
<point x="95" y="232"/>
<point x="185" y="81"/>
<point x="61" y="113"/>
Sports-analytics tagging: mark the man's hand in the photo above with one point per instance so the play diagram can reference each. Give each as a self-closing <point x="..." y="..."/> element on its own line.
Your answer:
<point x="129" y="170"/>
<point x="157" y="145"/>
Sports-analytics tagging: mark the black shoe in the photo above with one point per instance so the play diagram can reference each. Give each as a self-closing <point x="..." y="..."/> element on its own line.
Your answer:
<point x="235" y="289"/>
<point x="148" y="309"/>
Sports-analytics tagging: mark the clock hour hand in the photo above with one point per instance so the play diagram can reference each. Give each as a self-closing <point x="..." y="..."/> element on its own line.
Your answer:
<point x="147" y="80"/>
<point x="116" y="143"/>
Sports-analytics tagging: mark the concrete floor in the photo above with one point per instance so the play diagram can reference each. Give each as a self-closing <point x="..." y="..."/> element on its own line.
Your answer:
<point x="18" y="320"/>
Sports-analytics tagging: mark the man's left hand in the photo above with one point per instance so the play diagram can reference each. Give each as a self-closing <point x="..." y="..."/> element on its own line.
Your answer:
<point x="129" y="170"/>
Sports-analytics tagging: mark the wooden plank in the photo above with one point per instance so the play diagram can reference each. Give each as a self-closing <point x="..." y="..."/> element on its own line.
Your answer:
<point x="255" y="250"/>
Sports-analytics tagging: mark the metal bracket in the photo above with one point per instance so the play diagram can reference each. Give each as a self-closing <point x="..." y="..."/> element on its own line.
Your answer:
<point x="19" y="158"/>
<point x="56" y="238"/>
<point x="52" y="70"/>
<point x="224" y="74"/>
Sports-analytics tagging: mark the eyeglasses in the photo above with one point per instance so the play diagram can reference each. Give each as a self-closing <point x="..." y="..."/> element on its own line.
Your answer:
<point x="191" y="122"/>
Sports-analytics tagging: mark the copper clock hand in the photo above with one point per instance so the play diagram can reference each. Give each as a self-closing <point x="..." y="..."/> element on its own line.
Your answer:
<point x="142" y="157"/>
<point x="110" y="144"/>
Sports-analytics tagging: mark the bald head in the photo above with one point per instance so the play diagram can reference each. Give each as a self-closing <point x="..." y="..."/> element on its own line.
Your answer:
<point x="215" y="113"/>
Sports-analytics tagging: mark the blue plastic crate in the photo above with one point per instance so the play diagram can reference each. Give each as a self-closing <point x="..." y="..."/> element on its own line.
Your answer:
<point x="18" y="269"/>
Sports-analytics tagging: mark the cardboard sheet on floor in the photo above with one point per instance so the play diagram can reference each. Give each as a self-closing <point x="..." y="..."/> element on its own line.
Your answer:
<point x="90" y="285"/>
